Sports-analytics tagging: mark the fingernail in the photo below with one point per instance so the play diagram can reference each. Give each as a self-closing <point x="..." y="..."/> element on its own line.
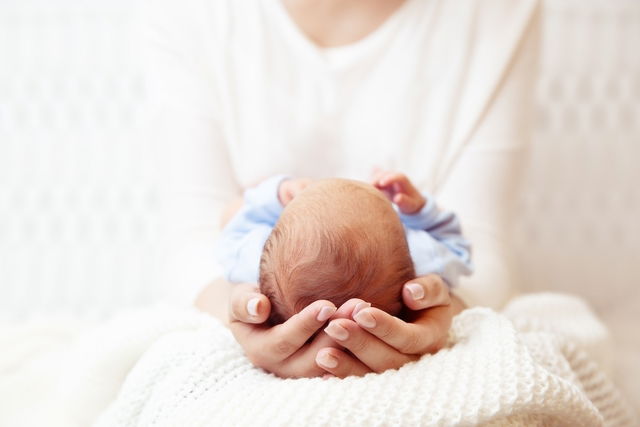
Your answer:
<point x="252" y="306"/>
<point x="326" y="360"/>
<point x="325" y="313"/>
<point x="360" y="306"/>
<point x="416" y="291"/>
<point x="336" y="331"/>
<point x="365" y="319"/>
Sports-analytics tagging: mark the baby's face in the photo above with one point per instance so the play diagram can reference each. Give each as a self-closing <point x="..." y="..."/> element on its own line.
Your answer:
<point x="338" y="239"/>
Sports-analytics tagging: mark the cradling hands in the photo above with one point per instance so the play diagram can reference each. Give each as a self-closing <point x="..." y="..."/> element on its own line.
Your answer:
<point x="290" y="349"/>
<point x="380" y="341"/>
<point x="375" y="340"/>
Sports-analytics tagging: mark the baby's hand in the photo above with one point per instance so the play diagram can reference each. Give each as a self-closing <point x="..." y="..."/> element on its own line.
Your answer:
<point x="399" y="189"/>
<point x="290" y="188"/>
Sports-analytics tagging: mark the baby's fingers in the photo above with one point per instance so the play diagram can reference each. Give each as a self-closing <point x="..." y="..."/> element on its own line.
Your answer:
<point x="405" y="203"/>
<point x="376" y="174"/>
<point x="299" y="185"/>
<point x="397" y="180"/>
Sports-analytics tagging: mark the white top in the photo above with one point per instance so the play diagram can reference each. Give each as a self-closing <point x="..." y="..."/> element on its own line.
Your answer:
<point x="440" y="91"/>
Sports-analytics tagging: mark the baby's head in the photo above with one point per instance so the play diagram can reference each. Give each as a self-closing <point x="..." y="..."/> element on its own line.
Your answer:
<point x="337" y="240"/>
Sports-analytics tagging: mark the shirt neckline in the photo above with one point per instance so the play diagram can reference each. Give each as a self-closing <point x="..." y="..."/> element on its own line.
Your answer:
<point x="338" y="55"/>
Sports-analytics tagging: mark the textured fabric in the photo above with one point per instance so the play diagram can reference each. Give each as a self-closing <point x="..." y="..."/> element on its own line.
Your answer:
<point x="441" y="91"/>
<point x="540" y="363"/>
<point x="434" y="237"/>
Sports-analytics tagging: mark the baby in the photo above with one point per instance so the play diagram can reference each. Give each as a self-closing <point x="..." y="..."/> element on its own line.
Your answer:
<point x="337" y="239"/>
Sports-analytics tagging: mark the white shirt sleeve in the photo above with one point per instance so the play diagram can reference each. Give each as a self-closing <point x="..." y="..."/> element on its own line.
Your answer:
<point x="195" y="174"/>
<point x="481" y="187"/>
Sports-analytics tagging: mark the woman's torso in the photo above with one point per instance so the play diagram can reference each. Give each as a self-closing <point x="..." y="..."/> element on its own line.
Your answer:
<point x="388" y="100"/>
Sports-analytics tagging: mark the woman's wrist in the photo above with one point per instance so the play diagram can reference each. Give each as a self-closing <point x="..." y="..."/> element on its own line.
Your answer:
<point x="457" y="305"/>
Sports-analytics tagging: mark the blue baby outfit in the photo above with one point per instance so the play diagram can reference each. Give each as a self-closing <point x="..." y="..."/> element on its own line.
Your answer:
<point x="434" y="237"/>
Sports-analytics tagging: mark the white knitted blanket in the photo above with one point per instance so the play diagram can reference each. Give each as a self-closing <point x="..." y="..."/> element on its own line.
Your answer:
<point x="540" y="362"/>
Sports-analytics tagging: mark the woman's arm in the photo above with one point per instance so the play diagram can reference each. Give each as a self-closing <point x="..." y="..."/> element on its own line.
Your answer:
<point x="483" y="183"/>
<point x="195" y="170"/>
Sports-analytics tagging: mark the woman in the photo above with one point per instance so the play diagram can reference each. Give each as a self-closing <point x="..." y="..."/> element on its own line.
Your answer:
<point x="437" y="89"/>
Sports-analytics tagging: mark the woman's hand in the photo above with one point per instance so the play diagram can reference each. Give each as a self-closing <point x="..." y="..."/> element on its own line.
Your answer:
<point x="285" y="349"/>
<point x="377" y="341"/>
<point x="381" y="341"/>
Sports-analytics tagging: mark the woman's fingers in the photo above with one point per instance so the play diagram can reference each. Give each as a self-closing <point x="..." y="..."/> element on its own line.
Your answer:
<point x="370" y="350"/>
<point x="283" y="349"/>
<point x="285" y="339"/>
<point x="346" y="310"/>
<point x="255" y="339"/>
<point x="425" y="292"/>
<point x="248" y="305"/>
<point x="299" y="361"/>
<point x="339" y="363"/>
<point x="268" y="346"/>
<point x="427" y="335"/>
<point x="302" y="363"/>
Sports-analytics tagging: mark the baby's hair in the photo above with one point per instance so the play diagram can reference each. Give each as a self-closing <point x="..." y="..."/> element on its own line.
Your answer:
<point x="327" y="252"/>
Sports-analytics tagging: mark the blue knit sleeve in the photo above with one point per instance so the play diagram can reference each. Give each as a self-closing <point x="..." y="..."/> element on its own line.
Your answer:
<point x="240" y="244"/>
<point x="436" y="243"/>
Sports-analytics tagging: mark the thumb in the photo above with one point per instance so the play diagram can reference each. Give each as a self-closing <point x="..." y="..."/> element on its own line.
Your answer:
<point x="426" y="292"/>
<point x="248" y="305"/>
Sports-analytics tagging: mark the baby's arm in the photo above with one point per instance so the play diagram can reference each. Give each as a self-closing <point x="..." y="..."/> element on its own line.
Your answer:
<point x="248" y="225"/>
<point x="434" y="236"/>
<point x="288" y="189"/>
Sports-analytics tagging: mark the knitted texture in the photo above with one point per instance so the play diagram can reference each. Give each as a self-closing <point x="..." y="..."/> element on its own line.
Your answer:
<point x="163" y="367"/>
